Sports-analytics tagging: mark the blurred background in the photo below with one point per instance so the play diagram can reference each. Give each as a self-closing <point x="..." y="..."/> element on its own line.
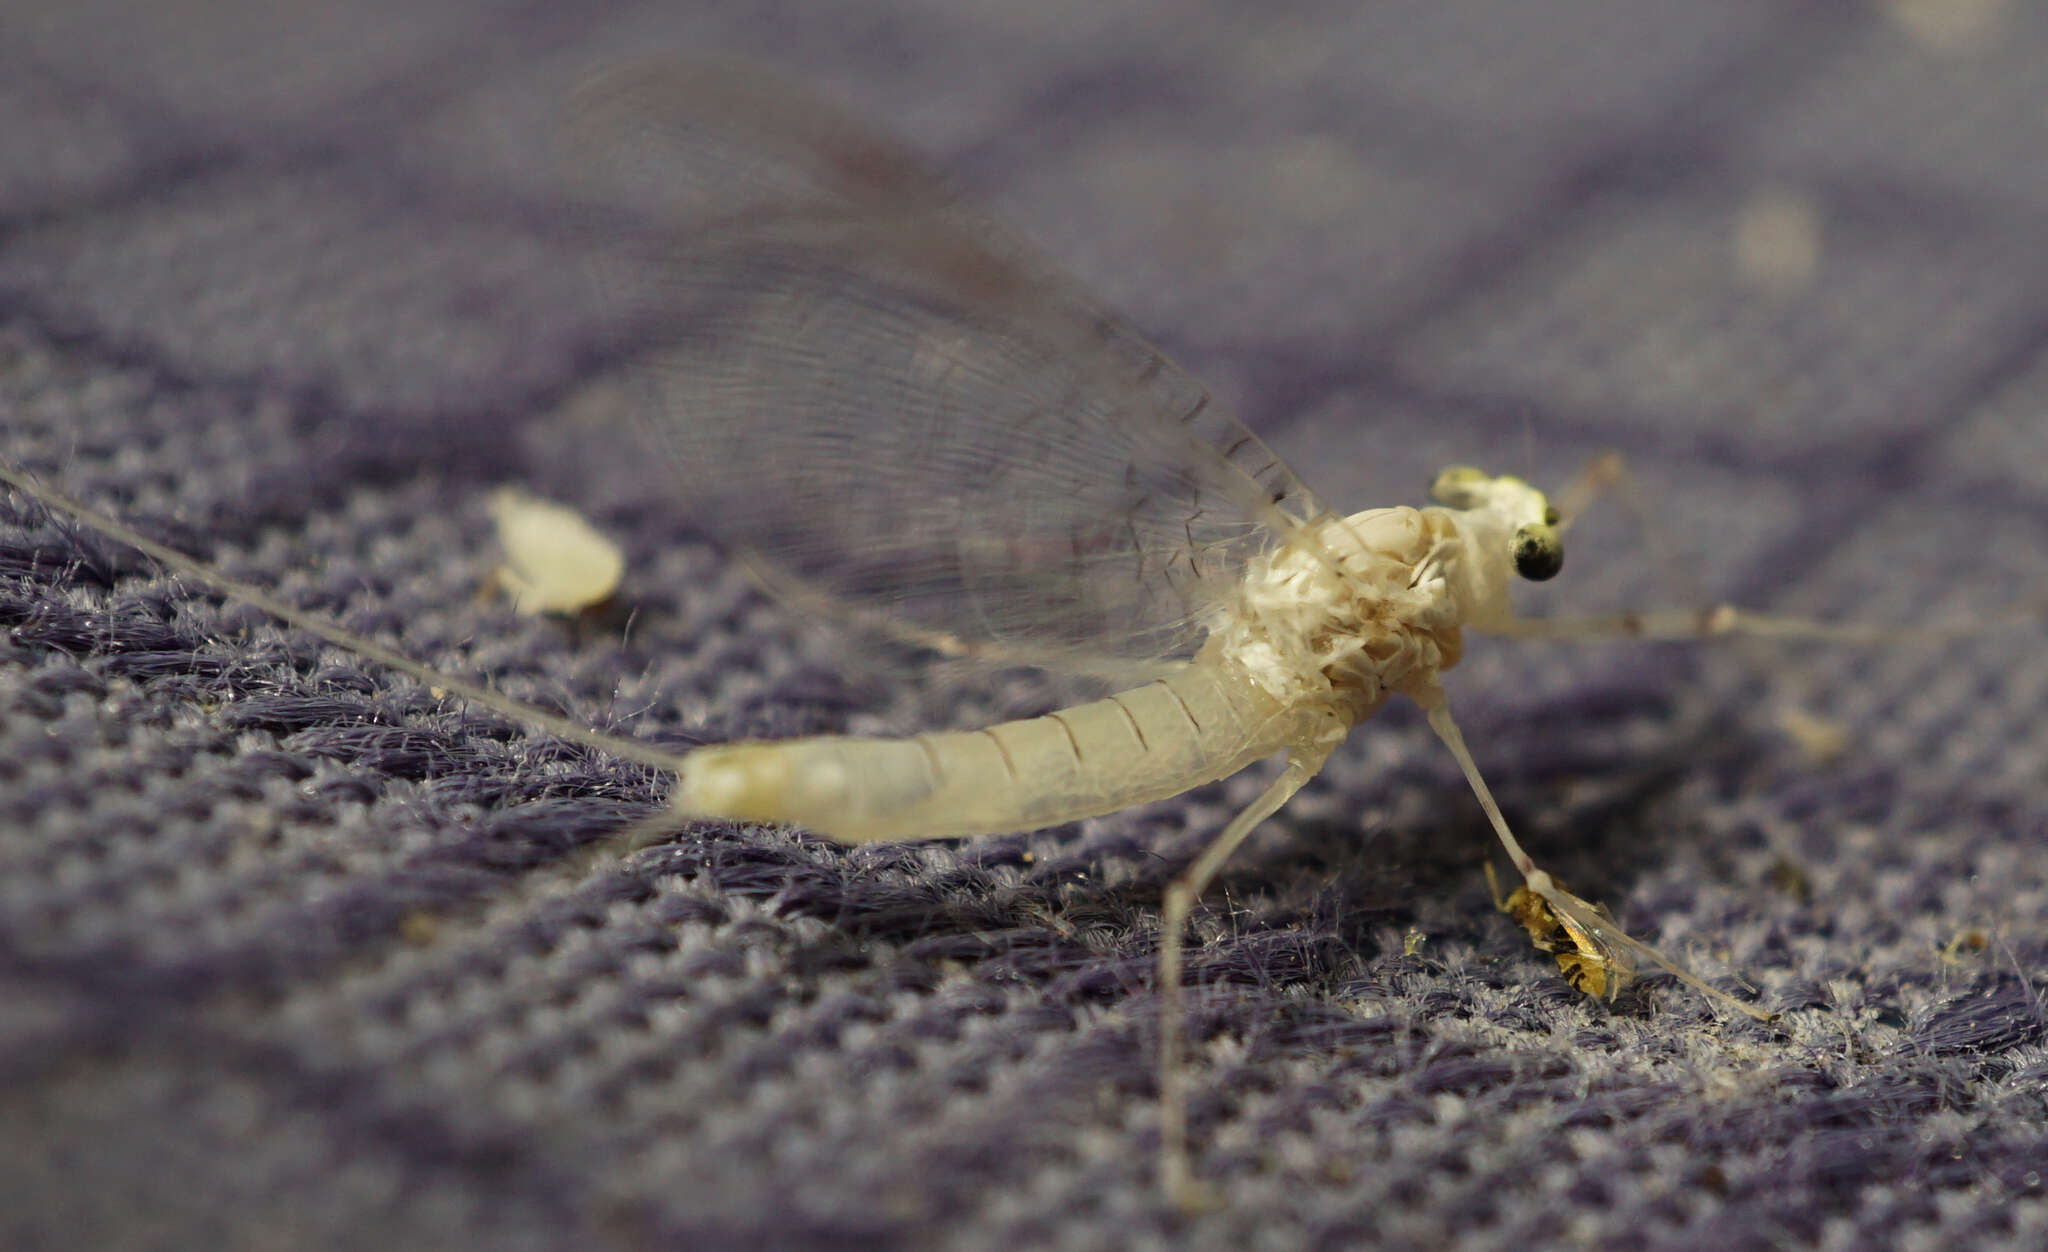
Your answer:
<point x="287" y="286"/>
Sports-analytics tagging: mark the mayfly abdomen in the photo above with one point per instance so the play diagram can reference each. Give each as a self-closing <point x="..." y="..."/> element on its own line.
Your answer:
<point x="1190" y="727"/>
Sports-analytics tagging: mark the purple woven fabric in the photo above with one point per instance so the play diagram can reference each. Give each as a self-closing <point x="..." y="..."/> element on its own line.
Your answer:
<point x="290" y="950"/>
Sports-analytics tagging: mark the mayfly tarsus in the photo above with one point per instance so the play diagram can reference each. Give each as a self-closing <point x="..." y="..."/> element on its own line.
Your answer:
<point x="884" y="402"/>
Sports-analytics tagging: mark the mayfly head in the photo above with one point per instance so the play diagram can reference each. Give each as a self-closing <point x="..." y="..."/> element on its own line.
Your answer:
<point x="1509" y="507"/>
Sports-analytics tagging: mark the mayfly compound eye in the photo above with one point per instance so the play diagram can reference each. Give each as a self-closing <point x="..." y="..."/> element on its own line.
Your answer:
<point x="1538" y="552"/>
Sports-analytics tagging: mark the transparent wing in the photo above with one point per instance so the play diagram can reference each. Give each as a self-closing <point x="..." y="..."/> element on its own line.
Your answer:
<point x="888" y="402"/>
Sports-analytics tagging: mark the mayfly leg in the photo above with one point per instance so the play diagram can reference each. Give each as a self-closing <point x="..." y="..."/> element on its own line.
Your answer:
<point x="1175" y="1178"/>
<point x="1608" y="475"/>
<point x="1598" y="938"/>
<point x="1726" y="619"/>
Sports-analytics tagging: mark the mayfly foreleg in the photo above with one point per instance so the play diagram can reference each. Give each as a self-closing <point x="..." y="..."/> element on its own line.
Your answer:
<point x="1726" y="619"/>
<point x="1175" y="1179"/>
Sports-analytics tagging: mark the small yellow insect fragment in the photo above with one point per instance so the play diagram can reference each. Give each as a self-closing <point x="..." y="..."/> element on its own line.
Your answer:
<point x="555" y="562"/>
<point x="1587" y="967"/>
<point x="1968" y="939"/>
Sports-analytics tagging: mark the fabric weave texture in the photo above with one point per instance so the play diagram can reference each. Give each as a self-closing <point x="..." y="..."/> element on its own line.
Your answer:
<point x="292" y="953"/>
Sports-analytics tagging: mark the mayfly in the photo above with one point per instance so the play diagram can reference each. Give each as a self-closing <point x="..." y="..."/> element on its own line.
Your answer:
<point x="888" y="406"/>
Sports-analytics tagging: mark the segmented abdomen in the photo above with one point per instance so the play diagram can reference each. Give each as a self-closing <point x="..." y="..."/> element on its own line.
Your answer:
<point x="1195" y="725"/>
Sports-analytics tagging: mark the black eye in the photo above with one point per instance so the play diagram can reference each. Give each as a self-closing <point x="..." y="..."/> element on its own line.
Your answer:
<point x="1539" y="553"/>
